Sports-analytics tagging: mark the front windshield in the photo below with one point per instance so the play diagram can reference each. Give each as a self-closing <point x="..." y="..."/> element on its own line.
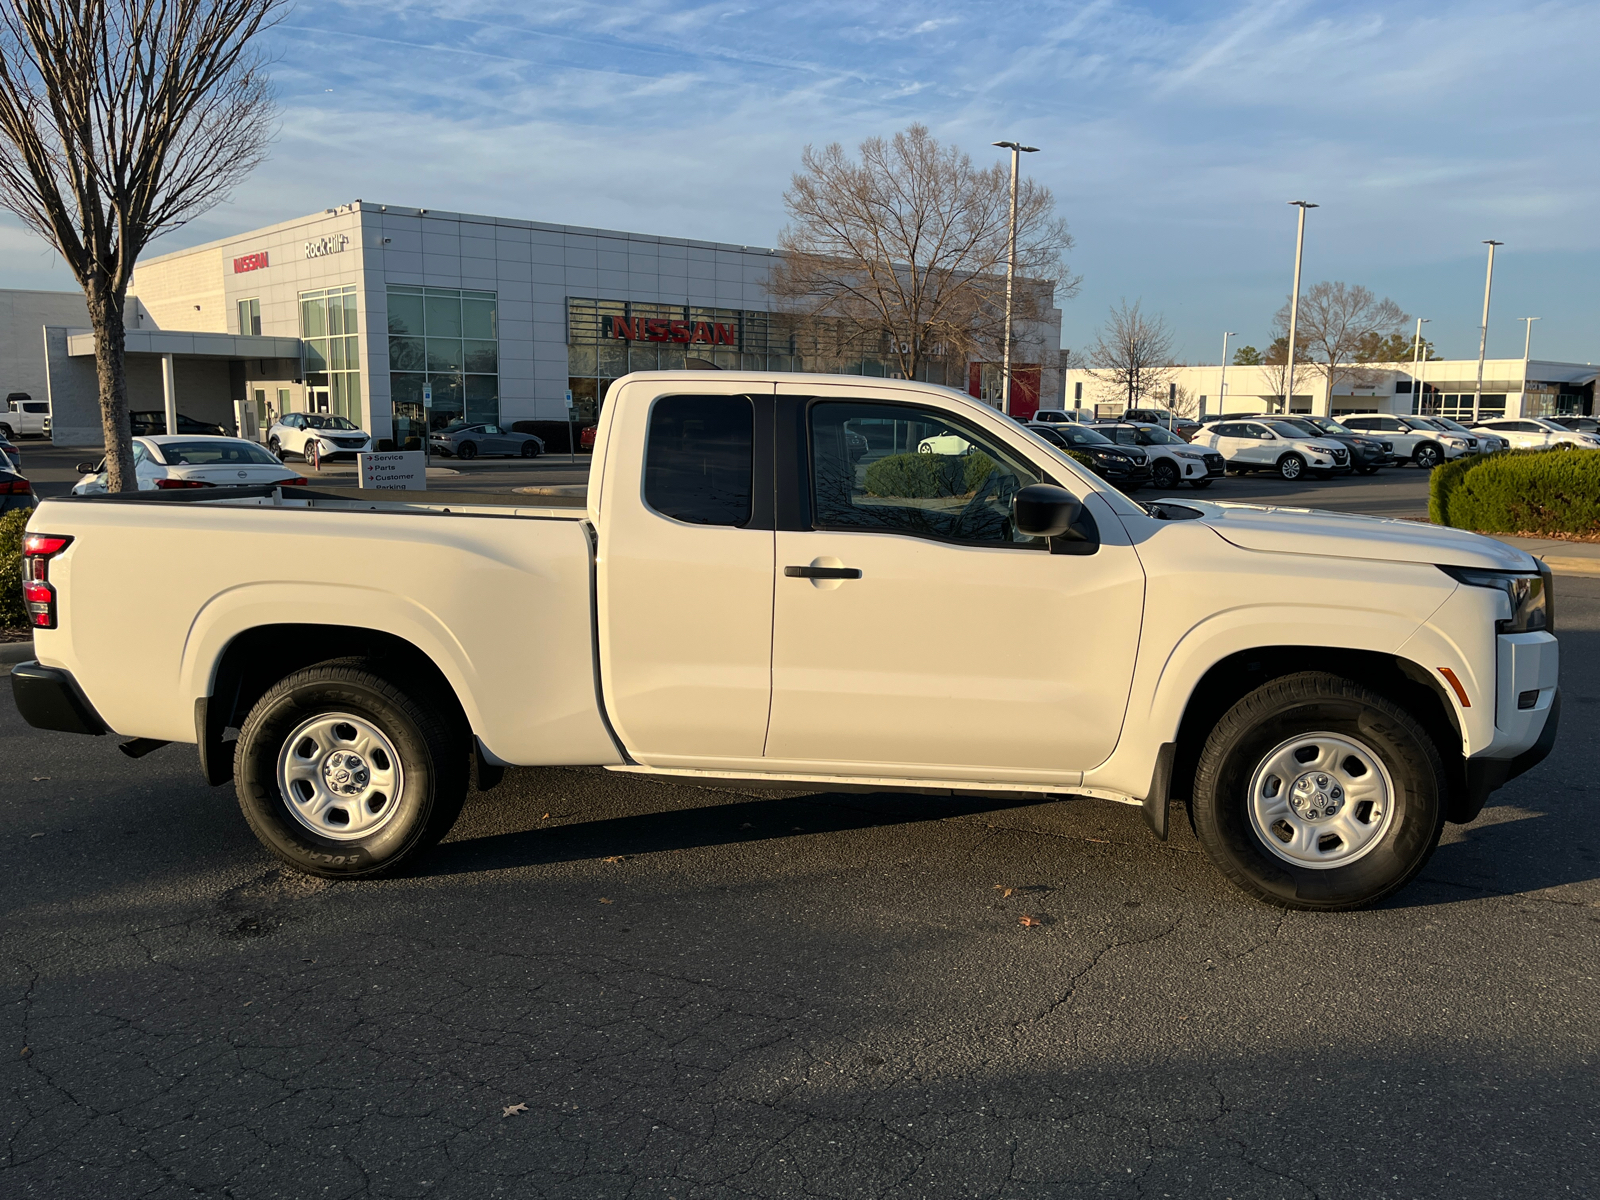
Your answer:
<point x="1329" y="425"/>
<point x="216" y="452"/>
<point x="1447" y="423"/>
<point x="1415" y="422"/>
<point x="1154" y="435"/>
<point x="318" y="421"/>
<point x="1077" y="435"/>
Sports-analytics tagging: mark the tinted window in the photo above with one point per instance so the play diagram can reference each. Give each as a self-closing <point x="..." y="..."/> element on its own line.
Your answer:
<point x="900" y="469"/>
<point x="1157" y="436"/>
<point x="1128" y="437"/>
<point x="699" y="457"/>
<point x="1077" y="435"/>
<point x="1295" y="428"/>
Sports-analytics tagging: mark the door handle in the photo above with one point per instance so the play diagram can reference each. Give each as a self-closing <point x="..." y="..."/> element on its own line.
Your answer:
<point x="822" y="572"/>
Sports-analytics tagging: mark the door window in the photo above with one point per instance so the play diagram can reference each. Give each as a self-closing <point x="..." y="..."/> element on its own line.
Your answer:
<point x="899" y="469"/>
<point x="699" y="459"/>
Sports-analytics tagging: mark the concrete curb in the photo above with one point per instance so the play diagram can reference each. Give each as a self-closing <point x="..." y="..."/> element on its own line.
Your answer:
<point x="15" y="652"/>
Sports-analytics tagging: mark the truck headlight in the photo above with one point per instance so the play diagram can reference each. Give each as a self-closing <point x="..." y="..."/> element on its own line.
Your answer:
<point x="1531" y="596"/>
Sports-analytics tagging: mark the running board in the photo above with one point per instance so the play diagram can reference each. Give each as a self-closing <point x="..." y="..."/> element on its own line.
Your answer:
<point x="858" y="783"/>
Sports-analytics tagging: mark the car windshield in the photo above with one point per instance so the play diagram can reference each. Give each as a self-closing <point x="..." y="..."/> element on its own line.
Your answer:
<point x="1329" y="425"/>
<point x="1415" y="423"/>
<point x="1154" y="435"/>
<point x="219" y="452"/>
<point x="319" y="421"/>
<point x="1077" y="435"/>
<point x="1453" y="426"/>
<point x="1292" y="429"/>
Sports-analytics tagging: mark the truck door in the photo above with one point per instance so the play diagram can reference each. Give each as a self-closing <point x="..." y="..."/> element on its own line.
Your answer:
<point x="915" y="632"/>
<point x="685" y="574"/>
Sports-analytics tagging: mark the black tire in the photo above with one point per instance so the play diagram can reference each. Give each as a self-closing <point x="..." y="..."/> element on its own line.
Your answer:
<point x="1427" y="456"/>
<point x="1291" y="466"/>
<point x="5" y="432"/>
<point x="1199" y="483"/>
<point x="276" y="447"/>
<point x="1256" y="728"/>
<point x="433" y="756"/>
<point x="467" y="450"/>
<point x="1164" y="474"/>
<point x="530" y="450"/>
<point x="1369" y="470"/>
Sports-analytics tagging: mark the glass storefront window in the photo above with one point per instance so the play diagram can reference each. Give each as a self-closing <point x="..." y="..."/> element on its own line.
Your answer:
<point x="330" y="331"/>
<point x="447" y="338"/>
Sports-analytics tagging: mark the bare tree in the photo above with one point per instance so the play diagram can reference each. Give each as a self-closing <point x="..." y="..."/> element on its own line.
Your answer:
<point x="909" y="244"/>
<point x="1132" y="354"/>
<point x="119" y="121"/>
<point x="1335" y="322"/>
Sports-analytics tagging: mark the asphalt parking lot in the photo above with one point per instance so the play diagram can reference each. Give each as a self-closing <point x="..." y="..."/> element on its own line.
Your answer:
<point x="606" y="987"/>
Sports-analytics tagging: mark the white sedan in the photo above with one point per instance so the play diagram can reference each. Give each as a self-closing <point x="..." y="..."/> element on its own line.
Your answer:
<point x="1536" y="433"/>
<point x="195" y="461"/>
<point x="331" y="436"/>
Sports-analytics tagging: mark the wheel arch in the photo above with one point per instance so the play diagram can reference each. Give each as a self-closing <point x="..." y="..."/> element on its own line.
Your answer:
<point x="1409" y="684"/>
<point x="256" y="658"/>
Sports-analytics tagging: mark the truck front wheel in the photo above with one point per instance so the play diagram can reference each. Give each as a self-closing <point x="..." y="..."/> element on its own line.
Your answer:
<point x="342" y="773"/>
<point x="1315" y="792"/>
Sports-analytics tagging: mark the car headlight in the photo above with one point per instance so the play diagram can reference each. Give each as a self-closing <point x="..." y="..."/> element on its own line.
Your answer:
<point x="1532" y="601"/>
<point x="1188" y="454"/>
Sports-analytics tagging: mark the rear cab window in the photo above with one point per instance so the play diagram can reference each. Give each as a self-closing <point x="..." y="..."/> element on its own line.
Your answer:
<point x="699" y="461"/>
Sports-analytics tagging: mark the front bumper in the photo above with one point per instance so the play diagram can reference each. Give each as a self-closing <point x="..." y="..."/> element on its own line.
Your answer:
<point x="1484" y="776"/>
<point x="1135" y="473"/>
<point x="49" y="698"/>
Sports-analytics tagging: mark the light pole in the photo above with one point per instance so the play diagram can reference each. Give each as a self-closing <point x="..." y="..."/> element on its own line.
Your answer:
<point x="1222" y="380"/>
<point x="1527" y="344"/>
<point x="1416" y="376"/>
<point x="1294" y="302"/>
<point x="1483" y="330"/>
<point x="1017" y="151"/>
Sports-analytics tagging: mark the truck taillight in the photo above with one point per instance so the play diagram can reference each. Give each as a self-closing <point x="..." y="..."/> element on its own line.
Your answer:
<point x="167" y="484"/>
<point x="38" y="596"/>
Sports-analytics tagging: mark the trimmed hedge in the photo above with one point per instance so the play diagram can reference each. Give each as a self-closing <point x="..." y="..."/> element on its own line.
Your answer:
<point x="1519" y="491"/>
<point x="928" y="476"/>
<point x="12" y="611"/>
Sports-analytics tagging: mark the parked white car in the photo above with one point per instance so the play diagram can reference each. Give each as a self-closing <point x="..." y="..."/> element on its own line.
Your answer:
<point x="1488" y="443"/>
<point x="1416" y="438"/>
<point x="1537" y="433"/>
<point x="23" y="416"/>
<point x="295" y="433"/>
<point x="1172" y="459"/>
<point x="944" y="443"/>
<point x="1268" y="445"/>
<point x="196" y="461"/>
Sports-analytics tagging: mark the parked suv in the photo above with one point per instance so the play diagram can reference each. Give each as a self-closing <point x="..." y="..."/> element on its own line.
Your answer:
<point x="1414" y="438"/>
<point x="1488" y="443"/>
<point x="1538" y="433"/>
<point x="332" y="436"/>
<point x="1274" y="444"/>
<point x="1126" y="466"/>
<point x="1367" y="453"/>
<point x="24" y="417"/>
<point x="1172" y="460"/>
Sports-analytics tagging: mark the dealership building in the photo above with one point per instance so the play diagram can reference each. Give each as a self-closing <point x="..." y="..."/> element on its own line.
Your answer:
<point x="366" y="309"/>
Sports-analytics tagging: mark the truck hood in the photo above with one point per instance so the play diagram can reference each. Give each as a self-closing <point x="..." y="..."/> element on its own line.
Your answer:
<point x="1347" y="535"/>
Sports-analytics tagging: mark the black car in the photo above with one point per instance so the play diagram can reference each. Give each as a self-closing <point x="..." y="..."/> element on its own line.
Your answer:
<point x="15" y="491"/>
<point x="1367" y="453"/>
<point x="1126" y="466"/>
<point x="1577" y="424"/>
<point x="154" y="424"/>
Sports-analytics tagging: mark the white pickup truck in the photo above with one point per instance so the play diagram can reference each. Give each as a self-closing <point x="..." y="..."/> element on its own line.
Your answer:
<point x="769" y="581"/>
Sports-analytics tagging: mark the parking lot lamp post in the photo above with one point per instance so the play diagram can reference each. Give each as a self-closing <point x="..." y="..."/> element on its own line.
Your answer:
<point x="1222" y="381"/>
<point x="1294" y="302"/>
<point x="1416" y="379"/>
<point x="1527" y="344"/>
<point x="1483" y="329"/>
<point x="1017" y="150"/>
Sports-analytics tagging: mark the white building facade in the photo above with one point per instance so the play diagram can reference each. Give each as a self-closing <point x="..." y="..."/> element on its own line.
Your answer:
<point x="367" y="309"/>
<point x="1443" y="387"/>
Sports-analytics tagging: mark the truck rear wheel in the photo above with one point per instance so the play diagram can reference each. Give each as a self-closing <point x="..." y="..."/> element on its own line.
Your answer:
<point x="1315" y="792"/>
<point x="344" y="774"/>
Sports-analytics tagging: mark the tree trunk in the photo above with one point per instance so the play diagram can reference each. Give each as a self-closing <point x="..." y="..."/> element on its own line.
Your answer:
<point x="106" y="317"/>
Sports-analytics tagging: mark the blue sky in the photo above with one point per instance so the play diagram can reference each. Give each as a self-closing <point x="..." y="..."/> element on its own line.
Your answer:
<point x="1173" y="136"/>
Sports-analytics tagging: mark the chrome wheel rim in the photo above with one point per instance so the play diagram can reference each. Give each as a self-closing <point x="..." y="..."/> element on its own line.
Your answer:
<point x="1321" y="800"/>
<point x="1290" y="468"/>
<point x="340" y="776"/>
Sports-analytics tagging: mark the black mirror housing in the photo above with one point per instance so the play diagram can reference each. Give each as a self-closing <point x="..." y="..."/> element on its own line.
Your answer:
<point x="87" y="468"/>
<point x="1044" y="510"/>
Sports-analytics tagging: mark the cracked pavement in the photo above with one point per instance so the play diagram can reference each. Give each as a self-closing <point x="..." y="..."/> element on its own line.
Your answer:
<point x="703" y="993"/>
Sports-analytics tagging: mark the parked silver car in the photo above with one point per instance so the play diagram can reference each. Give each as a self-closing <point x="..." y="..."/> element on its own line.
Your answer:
<point x="469" y="441"/>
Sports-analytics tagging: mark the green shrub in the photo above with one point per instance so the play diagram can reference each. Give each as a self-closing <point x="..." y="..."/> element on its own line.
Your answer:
<point x="929" y="476"/>
<point x="12" y="612"/>
<point x="1519" y="491"/>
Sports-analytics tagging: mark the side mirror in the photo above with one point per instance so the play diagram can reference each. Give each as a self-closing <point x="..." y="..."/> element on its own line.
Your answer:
<point x="1043" y="510"/>
<point x="87" y="468"/>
